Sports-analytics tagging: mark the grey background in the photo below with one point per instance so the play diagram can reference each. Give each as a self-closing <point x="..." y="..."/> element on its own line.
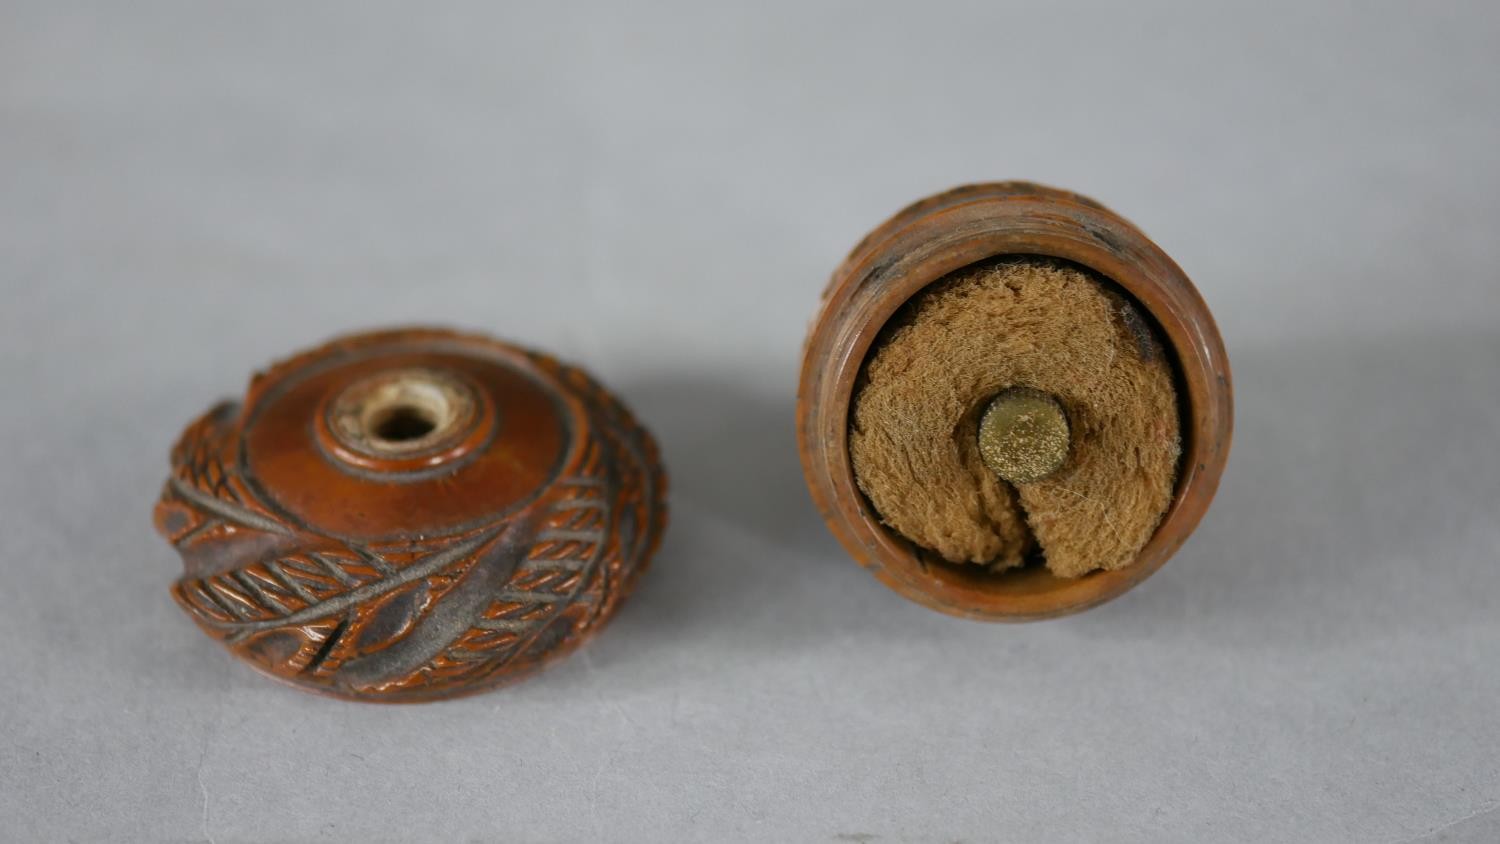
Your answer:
<point x="658" y="192"/>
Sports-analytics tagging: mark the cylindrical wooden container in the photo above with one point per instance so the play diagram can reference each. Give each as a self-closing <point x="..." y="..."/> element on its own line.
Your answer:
<point x="946" y="233"/>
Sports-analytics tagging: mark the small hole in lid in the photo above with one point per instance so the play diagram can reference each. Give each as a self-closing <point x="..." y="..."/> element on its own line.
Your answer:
<point x="403" y="423"/>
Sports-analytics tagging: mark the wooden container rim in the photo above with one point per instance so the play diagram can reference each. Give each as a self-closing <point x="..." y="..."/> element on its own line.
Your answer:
<point x="931" y="239"/>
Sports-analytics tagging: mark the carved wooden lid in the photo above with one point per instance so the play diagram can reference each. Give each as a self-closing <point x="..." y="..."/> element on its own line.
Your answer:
<point x="410" y="515"/>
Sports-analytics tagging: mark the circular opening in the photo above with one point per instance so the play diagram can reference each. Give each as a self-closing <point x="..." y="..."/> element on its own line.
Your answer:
<point x="855" y="311"/>
<point x="1031" y="590"/>
<point x="991" y="474"/>
<point x="401" y="414"/>
<point x="403" y="423"/>
<point x="405" y="410"/>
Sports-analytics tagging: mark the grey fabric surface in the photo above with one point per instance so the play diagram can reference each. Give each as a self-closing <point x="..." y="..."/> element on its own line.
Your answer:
<point x="658" y="192"/>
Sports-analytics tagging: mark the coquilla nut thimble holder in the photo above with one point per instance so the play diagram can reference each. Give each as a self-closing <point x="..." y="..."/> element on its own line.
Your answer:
<point x="411" y="515"/>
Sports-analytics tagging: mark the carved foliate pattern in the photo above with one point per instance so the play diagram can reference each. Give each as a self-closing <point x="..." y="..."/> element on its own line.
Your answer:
<point x="420" y="617"/>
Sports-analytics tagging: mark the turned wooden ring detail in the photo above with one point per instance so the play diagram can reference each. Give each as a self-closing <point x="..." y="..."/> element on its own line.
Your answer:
<point x="411" y="515"/>
<point x="924" y="243"/>
<point x="402" y="422"/>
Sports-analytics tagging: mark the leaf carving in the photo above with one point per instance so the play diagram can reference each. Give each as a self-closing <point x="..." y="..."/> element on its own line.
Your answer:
<point x="561" y="562"/>
<point x="400" y="619"/>
<point x="307" y="586"/>
<point x="204" y="494"/>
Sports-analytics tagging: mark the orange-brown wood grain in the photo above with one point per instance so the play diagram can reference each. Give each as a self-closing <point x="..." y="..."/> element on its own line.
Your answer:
<point x="495" y="528"/>
<point x="922" y="244"/>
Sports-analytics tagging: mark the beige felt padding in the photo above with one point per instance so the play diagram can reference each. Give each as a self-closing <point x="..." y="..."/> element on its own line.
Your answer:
<point x="1015" y="322"/>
